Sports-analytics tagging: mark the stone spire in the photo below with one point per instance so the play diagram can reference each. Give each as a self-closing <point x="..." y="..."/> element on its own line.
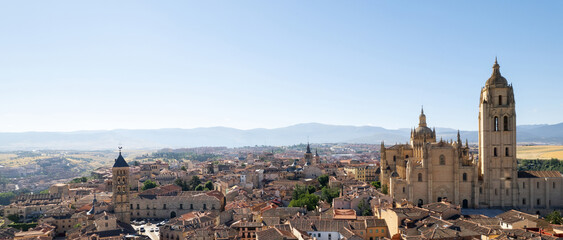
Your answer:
<point x="422" y="118"/>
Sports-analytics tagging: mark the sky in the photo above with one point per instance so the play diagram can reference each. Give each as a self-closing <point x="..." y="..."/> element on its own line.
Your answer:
<point x="100" y="65"/>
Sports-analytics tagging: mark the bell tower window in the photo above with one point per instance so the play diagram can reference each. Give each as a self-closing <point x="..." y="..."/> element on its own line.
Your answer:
<point x="442" y="160"/>
<point x="499" y="100"/>
<point x="496" y="124"/>
<point x="495" y="152"/>
<point x="505" y="123"/>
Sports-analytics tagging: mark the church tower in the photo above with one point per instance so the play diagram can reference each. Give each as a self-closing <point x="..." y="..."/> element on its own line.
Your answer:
<point x="497" y="142"/>
<point x="120" y="187"/>
<point x="308" y="155"/>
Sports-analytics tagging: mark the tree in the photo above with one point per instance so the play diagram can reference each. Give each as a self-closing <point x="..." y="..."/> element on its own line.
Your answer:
<point x="79" y="180"/>
<point x="5" y="197"/>
<point x="309" y="200"/>
<point x="183" y="184"/>
<point x="311" y="189"/>
<point x="376" y="184"/>
<point x="323" y="180"/>
<point x="183" y="168"/>
<point x="301" y="197"/>
<point x="46" y="191"/>
<point x="199" y="188"/>
<point x="554" y="218"/>
<point x="208" y="185"/>
<point x="194" y="182"/>
<point x="384" y="189"/>
<point x="148" y="185"/>
<point x="14" y="218"/>
<point x="328" y="193"/>
<point x="365" y="208"/>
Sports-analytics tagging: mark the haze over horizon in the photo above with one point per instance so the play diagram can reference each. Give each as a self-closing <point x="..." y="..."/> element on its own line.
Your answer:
<point x="72" y="66"/>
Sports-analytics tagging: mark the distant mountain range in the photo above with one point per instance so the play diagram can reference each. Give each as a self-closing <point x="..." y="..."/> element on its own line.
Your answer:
<point x="230" y="137"/>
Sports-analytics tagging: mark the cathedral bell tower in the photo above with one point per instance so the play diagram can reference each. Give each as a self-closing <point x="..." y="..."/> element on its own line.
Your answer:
<point x="120" y="188"/>
<point x="497" y="142"/>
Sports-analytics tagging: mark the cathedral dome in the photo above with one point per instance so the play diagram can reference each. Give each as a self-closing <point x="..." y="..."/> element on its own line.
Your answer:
<point x="423" y="130"/>
<point x="496" y="78"/>
<point x="422" y="127"/>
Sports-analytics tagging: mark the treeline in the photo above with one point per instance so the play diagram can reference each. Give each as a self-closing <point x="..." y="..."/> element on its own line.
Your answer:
<point x="540" y="165"/>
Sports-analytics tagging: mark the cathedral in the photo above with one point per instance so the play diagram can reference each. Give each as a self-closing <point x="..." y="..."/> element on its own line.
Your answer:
<point x="428" y="170"/>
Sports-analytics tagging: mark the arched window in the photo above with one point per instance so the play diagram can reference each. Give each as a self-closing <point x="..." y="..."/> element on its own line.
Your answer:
<point x="495" y="123"/>
<point x="495" y="152"/>
<point x="404" y="189"/>
<point x="465" y="203"/>
<point x="505" y="123"/>
<point x="394" y="158"/>
<point x="523" y="201"/>
<point x="420" y="177"/>
<point x="499" y="99"/>
<point x="442" y="160"/>
<point x="465" y="177"/>
<point x="506" y="152"/>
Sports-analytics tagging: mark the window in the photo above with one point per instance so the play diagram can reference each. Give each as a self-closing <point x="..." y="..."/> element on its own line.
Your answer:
<point x="495" y="123"/>
<point x="506" y="152"/>
<point x="319" y="235"/>
<point x="496" y="193"/>
<point x="505" y="123"/>
<point x="523" y="185"/>
<point x="480" y="190"/>
<point x="523" y="201"/>
<point x="538" y="201"/>
<point x="495" y="152"/>
<point x="204" y="206"/>
<point x="442" y="160"/>
<point x="191" y="206"/>
<point x="407" y="156"/>
<point x="553" y="184"/>
<point x="382" y="230"/>
<point x="394" y="158"/>
<point x="376" y="230"/>
<point x="164" y="206"/>
<point x="420" y="177"/>
<point x="506" y="192"/>
<point x="329" y="236"/>
<point x="499" y="99"/>
<point x="537" y="185"/>
<point x="403" y="189"/>
<point x="181" y="206"/>
<point x="465" y="177"/>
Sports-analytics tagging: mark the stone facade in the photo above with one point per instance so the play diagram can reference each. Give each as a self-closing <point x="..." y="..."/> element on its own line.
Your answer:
<point x="164" y="207"/>
<point x="427" y="170"/>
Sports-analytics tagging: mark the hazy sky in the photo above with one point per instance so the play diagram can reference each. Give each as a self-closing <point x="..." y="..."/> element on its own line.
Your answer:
<point x="85" y="65"/>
